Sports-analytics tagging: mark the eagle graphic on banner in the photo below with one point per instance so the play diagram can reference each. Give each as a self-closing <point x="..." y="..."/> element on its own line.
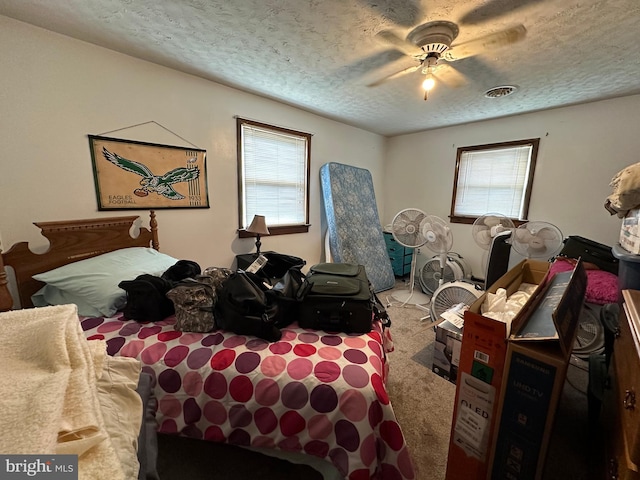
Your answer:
<point x="160" y="184"/>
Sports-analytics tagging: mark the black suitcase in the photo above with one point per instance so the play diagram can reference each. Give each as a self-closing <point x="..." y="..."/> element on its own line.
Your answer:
<point x="590" y="251"/>
<point x="336" y="297"/>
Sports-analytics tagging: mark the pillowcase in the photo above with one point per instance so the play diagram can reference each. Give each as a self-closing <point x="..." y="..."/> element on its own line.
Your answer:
<point x="94" y="281"/>
<point x="50" y="295"/>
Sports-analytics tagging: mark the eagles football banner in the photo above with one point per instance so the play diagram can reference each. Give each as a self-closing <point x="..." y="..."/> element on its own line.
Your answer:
<point x="133" y="175"/>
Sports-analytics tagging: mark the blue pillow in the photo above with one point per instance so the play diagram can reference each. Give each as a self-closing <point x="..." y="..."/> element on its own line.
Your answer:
<point x="93" y="282"/>
<point x="50" y="295"/>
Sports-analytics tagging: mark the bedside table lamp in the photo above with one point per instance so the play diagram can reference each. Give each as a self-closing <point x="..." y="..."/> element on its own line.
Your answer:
<point x="259" y="227"/>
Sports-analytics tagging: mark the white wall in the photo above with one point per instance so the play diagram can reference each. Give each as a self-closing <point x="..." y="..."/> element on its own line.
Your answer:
<point x="54" y="91"/>
<point x="581" y="149"/>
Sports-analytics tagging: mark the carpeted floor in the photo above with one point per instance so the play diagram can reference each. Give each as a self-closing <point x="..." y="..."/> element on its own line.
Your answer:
<point x="423" y="404"/>
<point x="422" y="400"/>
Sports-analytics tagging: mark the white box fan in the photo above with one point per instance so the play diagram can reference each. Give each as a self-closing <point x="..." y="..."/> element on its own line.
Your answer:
<point x="431" y="275"/>
<point x="452" y="294"/>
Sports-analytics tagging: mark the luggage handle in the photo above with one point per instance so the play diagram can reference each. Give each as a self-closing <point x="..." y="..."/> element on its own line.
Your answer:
<point x="341" y="269"/>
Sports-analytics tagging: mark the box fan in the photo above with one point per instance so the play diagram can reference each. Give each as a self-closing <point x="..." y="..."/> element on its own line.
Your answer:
<point x="432" y="275"/>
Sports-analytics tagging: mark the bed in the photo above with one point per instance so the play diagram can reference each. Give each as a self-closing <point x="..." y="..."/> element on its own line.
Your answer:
<point x="314" y="393"/>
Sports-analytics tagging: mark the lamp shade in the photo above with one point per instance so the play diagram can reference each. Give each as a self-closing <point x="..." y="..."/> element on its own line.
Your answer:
<point x="258" y="225"/>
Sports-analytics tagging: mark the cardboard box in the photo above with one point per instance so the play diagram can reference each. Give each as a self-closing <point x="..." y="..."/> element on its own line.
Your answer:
<point x="630" y="232"/>
<point x="482" y="359"/>
<point x="446" y="350"/>
<point x="538" y="356"/>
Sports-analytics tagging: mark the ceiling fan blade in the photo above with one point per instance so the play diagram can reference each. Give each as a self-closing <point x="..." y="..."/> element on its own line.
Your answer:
<point x="450" y="76"/>
<point x="486" y="43"/>
<point x="387" y="37"/>
<point x="394" y="75"/>
<point x="372" y="63"/>
<point x="494" y="9"/>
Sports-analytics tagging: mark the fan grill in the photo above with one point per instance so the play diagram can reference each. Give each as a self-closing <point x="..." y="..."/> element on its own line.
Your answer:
<point x="451" y="294"/>
<point x="488" y="226"/>
<point x="431" y="273"/>
<point x="406" y="227"/>
<point x="406" y="230"/>
<point x="590" y="335"/>
<point x="437" y="234"/>
<point x="537" y="239"/>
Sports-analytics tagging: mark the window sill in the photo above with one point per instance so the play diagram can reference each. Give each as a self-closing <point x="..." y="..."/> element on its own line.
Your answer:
<point x="470" y="220"/>
<point x="279" y="230"/>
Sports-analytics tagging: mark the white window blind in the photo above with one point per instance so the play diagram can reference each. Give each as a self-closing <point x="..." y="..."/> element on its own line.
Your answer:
<point x="274" y="176"/>
<point x="493" y="180"/>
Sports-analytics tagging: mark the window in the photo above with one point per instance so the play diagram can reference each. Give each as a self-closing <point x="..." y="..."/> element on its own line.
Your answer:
<point x="273" y="177"/>
<point x="495" y="178"/>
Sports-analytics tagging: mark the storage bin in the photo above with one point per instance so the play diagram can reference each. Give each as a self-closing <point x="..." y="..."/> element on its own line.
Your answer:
<point x="399" y="255"/>
<point x="628" y="269"/>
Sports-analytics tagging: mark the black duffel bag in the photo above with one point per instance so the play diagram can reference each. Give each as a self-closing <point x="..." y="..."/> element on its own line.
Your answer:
<point x="244" y="307"/>
<point x="278" y="264"/>
<point x="284" y="274"/>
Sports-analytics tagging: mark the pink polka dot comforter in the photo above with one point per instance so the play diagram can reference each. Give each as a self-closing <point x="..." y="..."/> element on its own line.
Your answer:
<point x="319" y="393"/>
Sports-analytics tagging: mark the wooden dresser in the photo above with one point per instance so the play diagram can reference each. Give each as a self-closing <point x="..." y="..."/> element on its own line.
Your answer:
<point x="621" y="402"/>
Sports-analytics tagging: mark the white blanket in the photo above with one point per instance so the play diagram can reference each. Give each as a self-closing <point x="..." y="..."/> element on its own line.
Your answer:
<point x="49" y="402"/>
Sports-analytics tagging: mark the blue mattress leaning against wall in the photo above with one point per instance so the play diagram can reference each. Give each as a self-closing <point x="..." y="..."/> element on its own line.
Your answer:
<point x="353" y="224"/>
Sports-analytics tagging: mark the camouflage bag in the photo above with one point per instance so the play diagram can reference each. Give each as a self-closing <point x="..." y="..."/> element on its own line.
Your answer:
<point x="194" y="300"/>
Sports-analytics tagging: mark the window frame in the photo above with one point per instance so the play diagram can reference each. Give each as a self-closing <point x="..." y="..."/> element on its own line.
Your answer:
<point x="273" y="229"/>
<point x="533" y="142"/>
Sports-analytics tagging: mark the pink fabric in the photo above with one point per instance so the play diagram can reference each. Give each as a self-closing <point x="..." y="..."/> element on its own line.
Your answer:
<point x="602" y="287"/>
<point x="314" y="392"/>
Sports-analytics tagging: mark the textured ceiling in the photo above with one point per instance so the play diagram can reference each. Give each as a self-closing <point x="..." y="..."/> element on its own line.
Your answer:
<point x="320" y="55"/>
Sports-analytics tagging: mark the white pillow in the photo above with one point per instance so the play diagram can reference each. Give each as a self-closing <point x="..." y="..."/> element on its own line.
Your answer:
<point x="94" y="281"/>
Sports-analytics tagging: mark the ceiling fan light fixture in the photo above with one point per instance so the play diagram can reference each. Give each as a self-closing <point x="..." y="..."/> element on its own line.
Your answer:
<point x="428" y="82"/>
<point x="501" y="91"/>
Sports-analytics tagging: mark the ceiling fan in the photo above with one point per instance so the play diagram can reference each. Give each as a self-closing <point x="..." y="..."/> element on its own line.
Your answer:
<point x="431" y="43"/>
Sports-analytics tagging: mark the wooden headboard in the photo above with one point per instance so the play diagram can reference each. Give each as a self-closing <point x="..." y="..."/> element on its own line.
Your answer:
<point x="70" y="241"/>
